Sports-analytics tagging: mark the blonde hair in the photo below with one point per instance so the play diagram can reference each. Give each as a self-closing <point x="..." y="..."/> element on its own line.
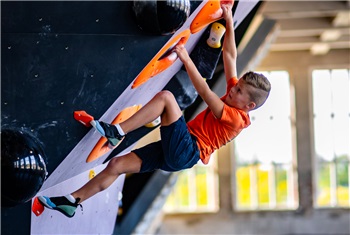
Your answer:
<point x="262" y="85"/>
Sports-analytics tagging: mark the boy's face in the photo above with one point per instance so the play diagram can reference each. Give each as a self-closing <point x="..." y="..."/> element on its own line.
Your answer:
<point x="238" y="97"/>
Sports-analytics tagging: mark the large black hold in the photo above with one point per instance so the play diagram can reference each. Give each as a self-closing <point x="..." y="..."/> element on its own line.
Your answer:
<point x="161" y="17"/>
<point x="23" y="167"/>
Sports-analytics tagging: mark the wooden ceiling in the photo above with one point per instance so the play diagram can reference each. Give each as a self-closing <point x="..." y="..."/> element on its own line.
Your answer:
<point x="315" y="26"/>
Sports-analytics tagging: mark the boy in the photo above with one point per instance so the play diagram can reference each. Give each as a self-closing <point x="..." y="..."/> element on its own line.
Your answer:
<point x="181" y="145"/>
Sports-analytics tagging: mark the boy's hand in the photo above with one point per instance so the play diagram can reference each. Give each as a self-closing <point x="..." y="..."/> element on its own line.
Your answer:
<point x="182" y="53"/>
<point x="227" y="10"/>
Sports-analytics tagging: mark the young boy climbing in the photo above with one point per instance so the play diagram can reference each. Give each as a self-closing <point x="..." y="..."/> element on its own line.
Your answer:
<point x="182" y="145"/>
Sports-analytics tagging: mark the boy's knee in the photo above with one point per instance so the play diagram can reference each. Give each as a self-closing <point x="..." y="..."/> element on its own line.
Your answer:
<point x="166" y="95"/>
<point x="113" y="162"/>
<point x="114" y="165"/>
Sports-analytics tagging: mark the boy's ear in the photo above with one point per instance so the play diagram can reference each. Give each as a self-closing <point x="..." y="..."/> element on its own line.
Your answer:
<point x="251" y="105"/>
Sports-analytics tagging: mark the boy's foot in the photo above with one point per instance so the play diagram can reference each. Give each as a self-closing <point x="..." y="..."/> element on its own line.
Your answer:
<point x="61" y="204"/>
<point x="109" y="131"/>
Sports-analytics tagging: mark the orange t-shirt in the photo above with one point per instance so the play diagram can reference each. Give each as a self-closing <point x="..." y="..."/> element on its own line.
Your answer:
<point x="212" y="133"/>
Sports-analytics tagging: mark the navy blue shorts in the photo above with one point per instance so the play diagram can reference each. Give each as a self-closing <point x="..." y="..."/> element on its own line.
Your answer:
<point x="177" y="149"/>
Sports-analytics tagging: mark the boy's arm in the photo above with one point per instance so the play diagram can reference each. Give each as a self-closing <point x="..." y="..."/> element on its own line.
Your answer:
<point x="229" y="45"/>
<point x="215" y="104"/>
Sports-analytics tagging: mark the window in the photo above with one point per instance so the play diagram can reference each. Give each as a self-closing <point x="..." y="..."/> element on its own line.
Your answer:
<point x="264" y="153"/>
<point x="196" y="190"/>
<point x="331" y="108"/>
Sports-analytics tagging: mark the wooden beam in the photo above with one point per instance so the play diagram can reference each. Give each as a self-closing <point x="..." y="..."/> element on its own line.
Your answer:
<point x="307" y="46"/>
<point x="306" y="39"/>
<point x="301" y="9"/>
<point x="309" y="32"/>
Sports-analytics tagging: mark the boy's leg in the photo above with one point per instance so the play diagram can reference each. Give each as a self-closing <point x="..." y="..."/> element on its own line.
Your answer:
<point x="163" y="104"/>
<point x="129" y="163"/>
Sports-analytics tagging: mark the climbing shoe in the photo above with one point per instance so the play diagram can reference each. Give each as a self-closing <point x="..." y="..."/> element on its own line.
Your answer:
<point x="109" y="131"/>
<point x="61" y="204"/>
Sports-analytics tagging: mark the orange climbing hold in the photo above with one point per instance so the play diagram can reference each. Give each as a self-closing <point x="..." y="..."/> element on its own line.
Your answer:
<point x="83" y="117"/>
<point x="163" y="59"/>
<point x="37" y="207"/>
<point x="102" y="147"/>
<point x="210" y="12"/>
